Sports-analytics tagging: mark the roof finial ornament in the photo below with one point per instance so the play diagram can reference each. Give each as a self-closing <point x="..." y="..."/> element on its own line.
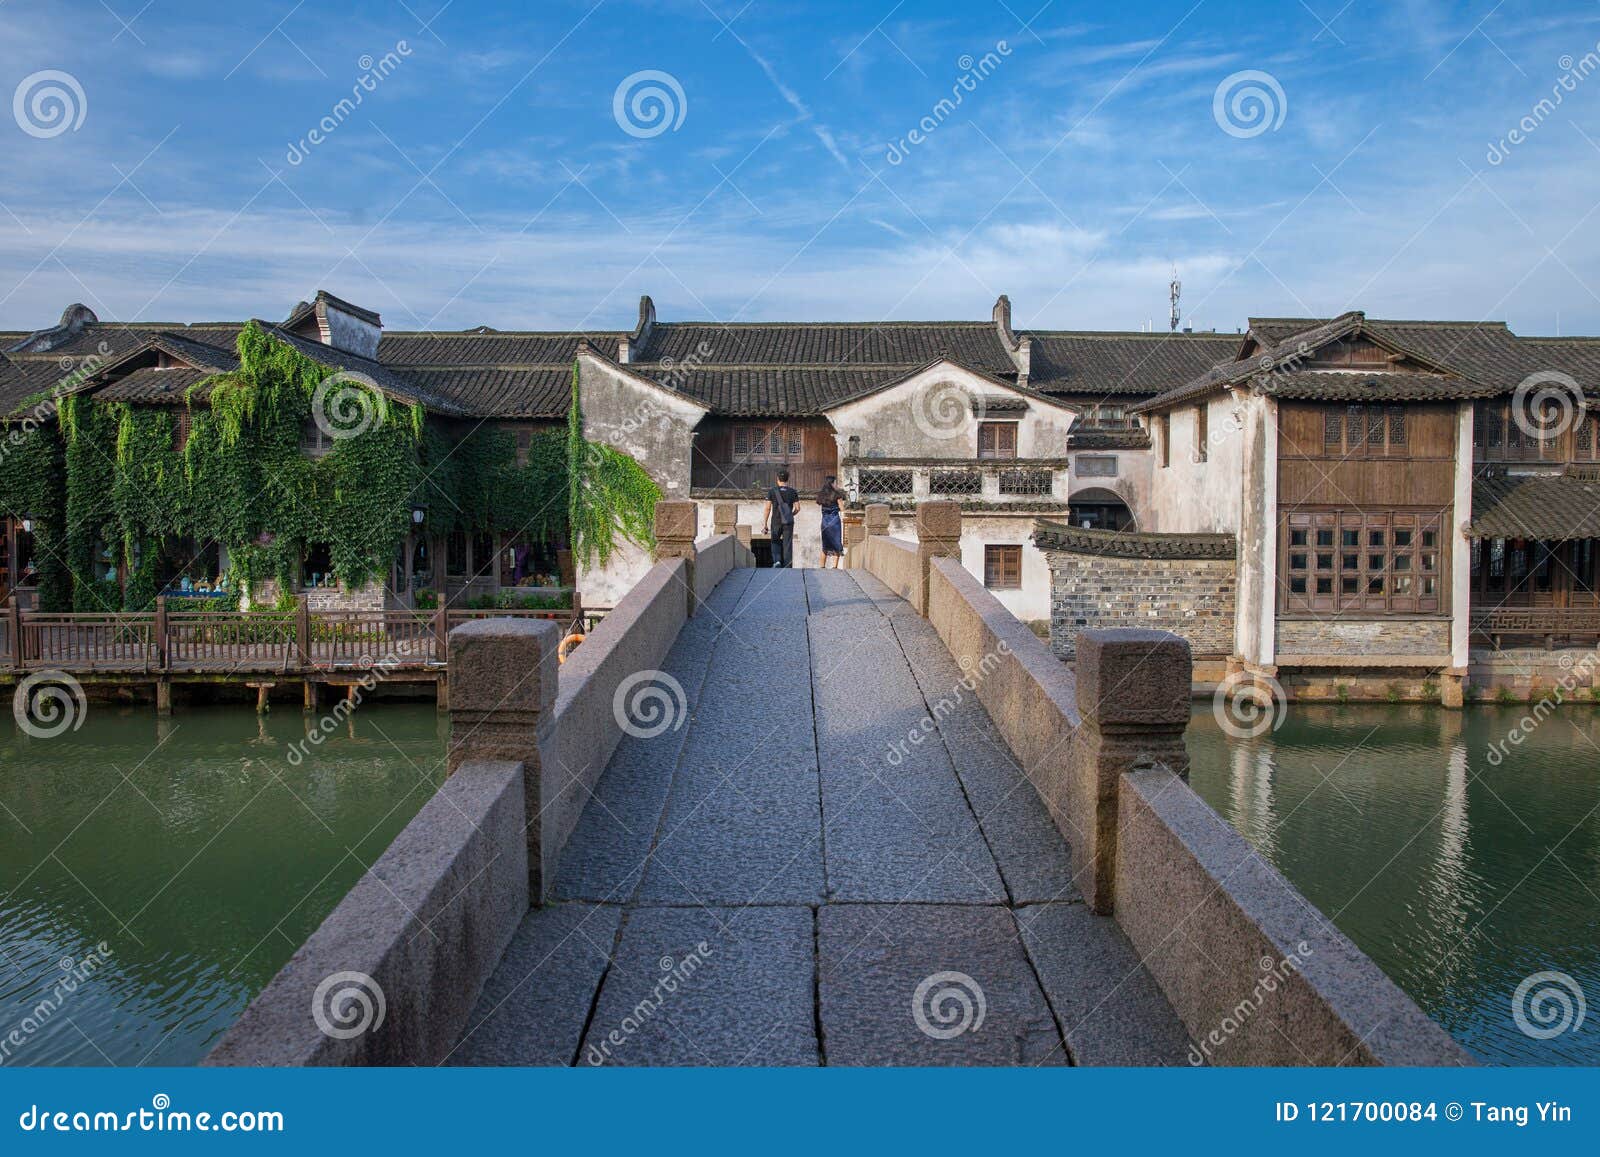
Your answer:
<point x="1174" y="291"/>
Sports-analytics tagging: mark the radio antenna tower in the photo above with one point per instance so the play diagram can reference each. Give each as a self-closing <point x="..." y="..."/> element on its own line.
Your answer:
<point x="1175" y="290"/>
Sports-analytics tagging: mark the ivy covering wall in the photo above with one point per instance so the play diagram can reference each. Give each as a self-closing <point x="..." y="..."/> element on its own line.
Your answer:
<point x="112" y="481"/>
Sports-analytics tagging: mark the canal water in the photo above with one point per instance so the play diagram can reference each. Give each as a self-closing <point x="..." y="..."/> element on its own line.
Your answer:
<point x="1464" y="863"/>
<point x="155" y="874"/>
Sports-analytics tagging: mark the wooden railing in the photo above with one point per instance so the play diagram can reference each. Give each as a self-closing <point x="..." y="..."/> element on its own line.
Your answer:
<point x="1545" y="623"/>
<point x="164" y="641"/>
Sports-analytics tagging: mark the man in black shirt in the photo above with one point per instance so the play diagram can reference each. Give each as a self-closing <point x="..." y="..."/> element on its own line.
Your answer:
<point x="778" y="520"/>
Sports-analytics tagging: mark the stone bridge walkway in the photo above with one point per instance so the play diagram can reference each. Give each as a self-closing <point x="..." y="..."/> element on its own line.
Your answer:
<point x="807" y="871"/>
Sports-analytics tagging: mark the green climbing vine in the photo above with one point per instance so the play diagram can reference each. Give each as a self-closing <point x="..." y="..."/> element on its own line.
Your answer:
<point x="611" y="496"/>
<point x="112" y="485"/>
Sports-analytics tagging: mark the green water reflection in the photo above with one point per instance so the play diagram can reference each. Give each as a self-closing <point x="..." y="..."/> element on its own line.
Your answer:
<point x="1459" y="872"/>
<point x="196" y="852"/>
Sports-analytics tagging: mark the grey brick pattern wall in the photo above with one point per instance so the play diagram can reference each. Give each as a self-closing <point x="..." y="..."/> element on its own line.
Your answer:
<point x="1364" y="637"/>
<point x="1193" y="598"/>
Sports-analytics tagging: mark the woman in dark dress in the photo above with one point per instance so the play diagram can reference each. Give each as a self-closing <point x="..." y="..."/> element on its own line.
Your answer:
<point x="829" y="498"/>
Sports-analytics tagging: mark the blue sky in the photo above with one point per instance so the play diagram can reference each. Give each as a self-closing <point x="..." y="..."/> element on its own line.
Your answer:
<point x="486" y="178"/>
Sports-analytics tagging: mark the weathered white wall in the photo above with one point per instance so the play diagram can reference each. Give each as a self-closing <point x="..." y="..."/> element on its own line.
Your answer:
<point x="653" y="426"/>
<point x="1032" y="602"/>
<point x="1131" y="483"/>
<point x="1255" y="624"/>
<point x="927" y="416"/>
<point x="1190" y="496"/>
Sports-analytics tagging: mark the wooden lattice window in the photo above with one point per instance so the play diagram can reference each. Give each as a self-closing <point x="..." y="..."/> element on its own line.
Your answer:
<point x="997" y="439"/>
<point x="1002" y="568"/>
<point x="1360" y="430"/>
<point x="782" y="442"/>
<point x="1366" y="562"/>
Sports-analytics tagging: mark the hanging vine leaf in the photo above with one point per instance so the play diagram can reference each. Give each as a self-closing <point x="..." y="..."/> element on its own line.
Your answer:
<point x="610" y="495"/>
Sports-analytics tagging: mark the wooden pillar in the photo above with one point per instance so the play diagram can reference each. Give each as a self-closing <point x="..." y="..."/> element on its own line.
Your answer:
<point x="302" y="630"/>
<point x="14" y="617"/>
<point x="160" y="632"/>
<point x="163" y="696"/>
<point x="440" y="630"/>
<point x="308" y="691"/>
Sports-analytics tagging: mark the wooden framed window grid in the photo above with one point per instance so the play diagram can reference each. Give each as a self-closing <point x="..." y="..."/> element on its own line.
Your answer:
<point x="997" y="439"/>
<point x="1363" y="431"/>
<point x="1002" y="568"/>
<point x="1369" y="562"/>
<point x="781" y="442"/>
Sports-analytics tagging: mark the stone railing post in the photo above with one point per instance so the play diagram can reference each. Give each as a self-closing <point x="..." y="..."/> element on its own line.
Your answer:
<point x="742" y="532"/>
<point x="938" y="536"/>
<point x="855" y="537"/>
<point x="723" y="517"/>
<point x="877" y="518"/>
<point x="677" y="522"/>
<point x="1133" y="690"/>
<point x="503" y="675"/>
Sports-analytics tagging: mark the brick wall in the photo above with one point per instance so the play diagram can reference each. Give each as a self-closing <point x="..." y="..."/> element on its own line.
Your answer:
<point x="1364" y="637"/>
<point x="1193" y="598"/>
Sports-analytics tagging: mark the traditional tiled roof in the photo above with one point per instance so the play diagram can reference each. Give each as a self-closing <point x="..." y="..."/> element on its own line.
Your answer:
<point x="1090" y="438"/>
<point x="783" y="369"/>
<point x="153" y="386"/>
<point x="1460" y="360"/>
<point x="1541" y="506"/>
<point x="1048" y="535"/>
<point x="1119" y="364"/>
<point x="1364" y="386"/>
<point x="829" y="344"/>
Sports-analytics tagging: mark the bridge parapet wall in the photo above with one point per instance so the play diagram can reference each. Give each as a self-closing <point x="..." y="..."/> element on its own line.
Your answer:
<point x="1103" y="746"/>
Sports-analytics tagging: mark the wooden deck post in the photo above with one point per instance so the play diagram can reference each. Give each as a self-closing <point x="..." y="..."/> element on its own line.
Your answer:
<point x="160" y="631"/>
<point x="440" y="632"/>
<point x="14" y="614"/>
<point x="302" y="631"/>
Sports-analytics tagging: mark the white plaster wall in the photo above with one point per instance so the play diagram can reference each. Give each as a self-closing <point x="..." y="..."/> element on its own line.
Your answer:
<point x="653" y="426"/>
<point x="927" y="416"/>
<point x="1131" y="483"/>
<point x="1190" y="496"/>
<point x="1032" y="602"/>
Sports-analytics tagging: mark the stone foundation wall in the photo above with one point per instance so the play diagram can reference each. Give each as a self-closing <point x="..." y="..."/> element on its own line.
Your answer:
<point x="1364" y="637"/>
<point x="1192" y="598"/>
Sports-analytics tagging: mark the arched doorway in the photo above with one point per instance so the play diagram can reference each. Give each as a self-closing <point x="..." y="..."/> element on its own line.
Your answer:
<point x="1100" y="509"/>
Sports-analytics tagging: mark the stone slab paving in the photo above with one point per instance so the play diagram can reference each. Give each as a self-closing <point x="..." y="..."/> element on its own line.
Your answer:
<point x="1106" y="1003"/>
<point x="708" y="986"/>
<point x="743" y="823"/>
<point x="779" y="878"/>
<point x="1032" y="856"/>
<point x="605" y="858"/>
<point x="897" y="824"/>
<point x="913" y="984"/>
<point x="534" y="1008"/>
